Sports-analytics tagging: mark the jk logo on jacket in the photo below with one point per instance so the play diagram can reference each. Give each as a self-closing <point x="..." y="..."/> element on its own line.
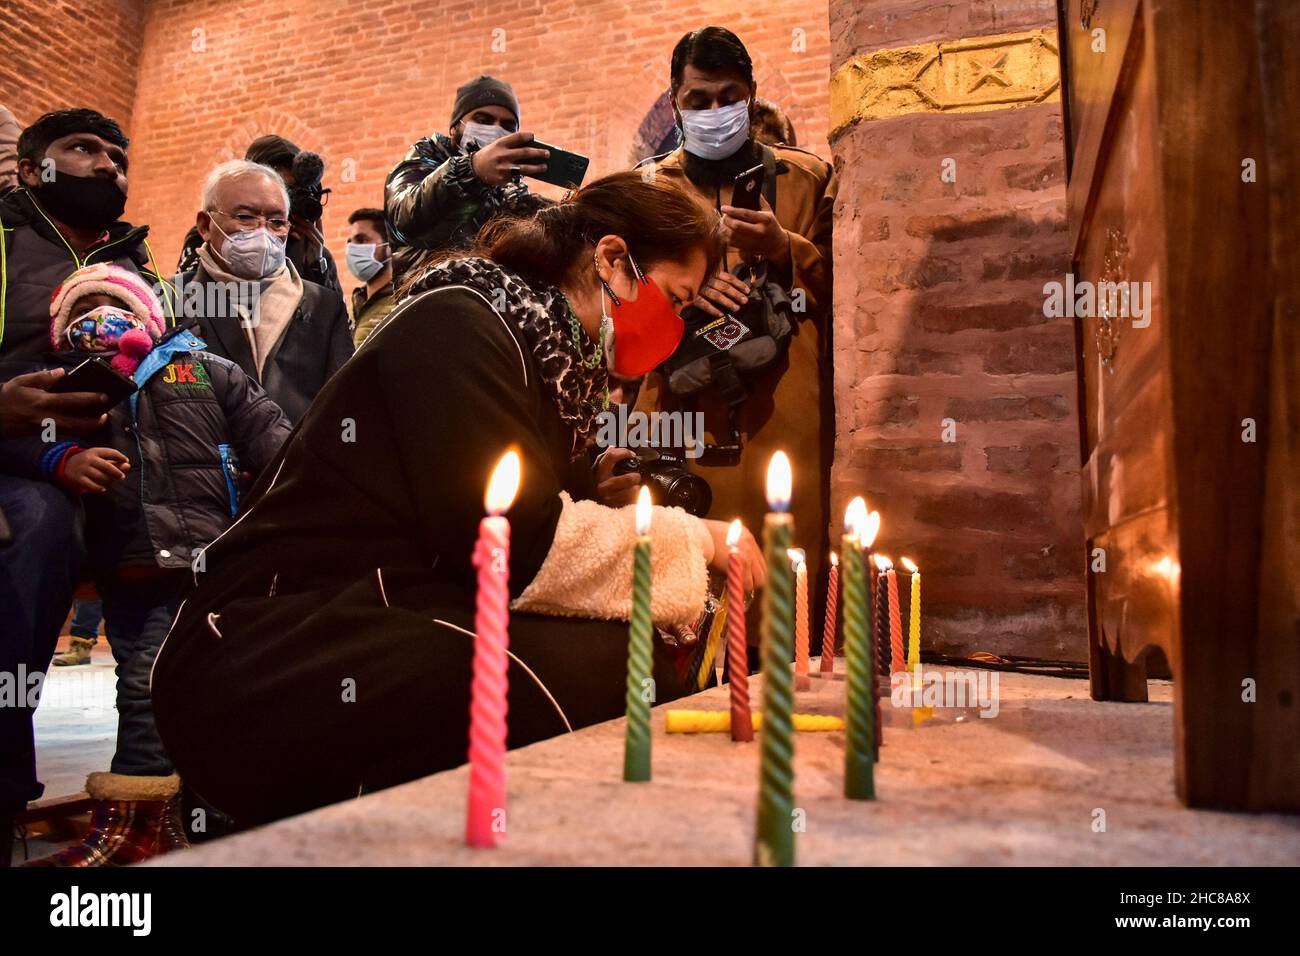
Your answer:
<point x="185" y="373"/>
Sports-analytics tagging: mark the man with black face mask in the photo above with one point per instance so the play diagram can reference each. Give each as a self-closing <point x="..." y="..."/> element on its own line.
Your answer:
<point x="65" y="214"/>
<point x="755" y="360"/>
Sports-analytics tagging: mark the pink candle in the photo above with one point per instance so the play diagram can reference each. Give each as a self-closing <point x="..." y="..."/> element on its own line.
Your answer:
<point x="828" y="626"/>
<point x="897" y="658"/>
<point x="802" y="680"/>
<point x="485" y="819"/>
<point x="742" y="726"/>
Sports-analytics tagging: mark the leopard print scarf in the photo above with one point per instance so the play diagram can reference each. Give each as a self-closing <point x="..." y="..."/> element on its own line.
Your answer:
<point x="541" y="313"/>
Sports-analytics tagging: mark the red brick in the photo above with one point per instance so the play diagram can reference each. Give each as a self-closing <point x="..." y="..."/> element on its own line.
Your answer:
<point x="1007" y="408"/>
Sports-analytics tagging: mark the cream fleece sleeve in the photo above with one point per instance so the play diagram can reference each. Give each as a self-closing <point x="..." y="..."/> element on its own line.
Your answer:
<point x="588" y="571"/>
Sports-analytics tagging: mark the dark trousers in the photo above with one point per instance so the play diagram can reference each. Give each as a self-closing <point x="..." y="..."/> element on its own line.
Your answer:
<point x="137" y="616"/>
<point x="38" y="574"/>
<point x="276" y="705"/>
<point x="86" y="616"/>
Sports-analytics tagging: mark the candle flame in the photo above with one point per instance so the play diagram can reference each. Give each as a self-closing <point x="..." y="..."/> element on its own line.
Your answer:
<point x="504" y="484"/>
<point x="855" y="516"/>
<point x="733" y="533"/>
<point x="835" y="560"/>
<point x="643" y="511"/>
<point x="872" y="529"/>
<point x="779" y="482"/>
<point x="882" y="562"/>
<point x="910" y="565"/>
<point x="797" y="557"/>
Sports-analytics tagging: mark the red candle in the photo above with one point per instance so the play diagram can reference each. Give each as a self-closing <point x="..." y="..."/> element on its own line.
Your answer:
<point x="828" y="626"/>
<point x="742" y="727"/>
<point x="485" y="818"/>
<point x="802" y="680"/>
<point x="897" y="656"/>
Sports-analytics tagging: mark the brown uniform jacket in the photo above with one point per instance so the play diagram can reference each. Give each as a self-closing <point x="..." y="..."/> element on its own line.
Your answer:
<point x="789" y="405"/>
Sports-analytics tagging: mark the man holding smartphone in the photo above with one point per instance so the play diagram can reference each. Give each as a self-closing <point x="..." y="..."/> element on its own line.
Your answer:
<point x="776" y="208"/>
<point x="449" y="185"/>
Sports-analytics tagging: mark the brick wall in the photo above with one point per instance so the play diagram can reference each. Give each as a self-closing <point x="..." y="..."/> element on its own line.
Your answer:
<point x="938" y="316"/>
<point x="359" y="82"/>
<point x="59" y="54"/>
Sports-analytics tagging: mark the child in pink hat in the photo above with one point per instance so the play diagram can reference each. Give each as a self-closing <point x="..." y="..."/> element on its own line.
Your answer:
<point x="158" y="481"/>
<point x="108" y="310"/>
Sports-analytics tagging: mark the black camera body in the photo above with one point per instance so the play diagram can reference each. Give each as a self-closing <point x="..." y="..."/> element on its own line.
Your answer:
<point x="670" y="482"/>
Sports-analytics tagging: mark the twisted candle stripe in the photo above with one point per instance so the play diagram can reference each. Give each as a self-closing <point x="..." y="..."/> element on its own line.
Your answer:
<point x="487" y="714"/>
<point x="717" y="627"/>
<point x="860" y="745"/>
<point x="802" y="681"/>
<point x="896" y="659"/>
<point x="636" y="751"/>
<point x="775" y="843"/>
<point x="737" y="653"/>
<point x="828" y="626"/>
<point x="719" y="721"/>
<point x="881" y="626"/>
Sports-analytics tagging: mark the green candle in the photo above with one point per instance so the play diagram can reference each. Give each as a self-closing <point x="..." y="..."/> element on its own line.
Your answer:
<point x="775" y="843"/>
<point x="640" y="652"/>
<point x="859" y="752"/>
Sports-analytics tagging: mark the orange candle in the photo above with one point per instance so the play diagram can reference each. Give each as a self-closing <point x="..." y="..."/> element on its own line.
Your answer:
<point x="828" y="626"/>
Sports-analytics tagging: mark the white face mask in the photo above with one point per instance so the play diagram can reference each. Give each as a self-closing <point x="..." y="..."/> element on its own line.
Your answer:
<point x="254" y="254"/>
<point x="481" y="134"/>
<point x="362" y="261"/>
<point x="718" y="133"/>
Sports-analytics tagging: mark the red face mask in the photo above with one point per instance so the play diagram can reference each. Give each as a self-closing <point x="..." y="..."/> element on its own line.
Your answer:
<point x="646" y="329"/>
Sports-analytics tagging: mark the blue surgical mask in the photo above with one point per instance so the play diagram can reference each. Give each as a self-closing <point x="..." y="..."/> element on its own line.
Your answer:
<point x="362" y="261"/>
<point x="717" y="133"/>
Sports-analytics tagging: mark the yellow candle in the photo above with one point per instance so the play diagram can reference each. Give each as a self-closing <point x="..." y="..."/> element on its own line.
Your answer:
<point x="719" y="721"/>
<point x="914" y="617"/>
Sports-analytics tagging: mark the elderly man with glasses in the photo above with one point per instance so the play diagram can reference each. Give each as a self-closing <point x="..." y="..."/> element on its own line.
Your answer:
<point x="249" y="301"/>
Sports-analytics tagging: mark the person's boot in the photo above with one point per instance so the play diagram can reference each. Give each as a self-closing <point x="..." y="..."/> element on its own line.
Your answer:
<point x="77" y="653"/>
<point x="171" y="836"/>
<point x="126" y="821"/>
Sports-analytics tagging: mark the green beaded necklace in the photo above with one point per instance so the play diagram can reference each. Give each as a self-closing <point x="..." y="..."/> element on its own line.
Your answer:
<point x="588" y="362"/>
<point x="592" y="361"/>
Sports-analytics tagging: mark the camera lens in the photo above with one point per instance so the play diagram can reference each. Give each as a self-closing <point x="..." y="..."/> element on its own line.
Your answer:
<point x="689" y="492"/>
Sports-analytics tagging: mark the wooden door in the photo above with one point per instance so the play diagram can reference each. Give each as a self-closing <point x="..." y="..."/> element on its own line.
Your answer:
<point x="1181" y="142"/>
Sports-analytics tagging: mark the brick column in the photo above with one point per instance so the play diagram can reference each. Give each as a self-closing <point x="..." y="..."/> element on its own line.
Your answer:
<point x="956" y="397"/>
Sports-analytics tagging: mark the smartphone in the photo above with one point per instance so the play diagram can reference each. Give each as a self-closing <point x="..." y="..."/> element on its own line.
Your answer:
<point x="747" y="188"/>
<point x="96" y="375"/>
<point x="563" y="168"/>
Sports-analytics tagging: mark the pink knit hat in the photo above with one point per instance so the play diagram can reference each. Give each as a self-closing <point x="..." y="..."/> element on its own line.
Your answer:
<point x="122" y="286"/>
<point x="103" y="278"/>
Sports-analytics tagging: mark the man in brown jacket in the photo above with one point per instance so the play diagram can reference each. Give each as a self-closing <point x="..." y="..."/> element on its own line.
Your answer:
<point x="788" y="404"/>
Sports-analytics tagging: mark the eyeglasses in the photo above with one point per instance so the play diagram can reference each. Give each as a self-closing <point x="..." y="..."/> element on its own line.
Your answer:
<point x="250" y="220"/>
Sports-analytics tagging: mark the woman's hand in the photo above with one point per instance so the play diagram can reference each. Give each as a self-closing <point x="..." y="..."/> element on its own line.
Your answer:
<point x="753" y="570"/>
<point x="611" y="489"/>
<point x="96" y="468"/>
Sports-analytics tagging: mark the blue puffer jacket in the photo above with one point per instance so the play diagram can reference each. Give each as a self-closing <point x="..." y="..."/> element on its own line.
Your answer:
<point x="196" y="422"/>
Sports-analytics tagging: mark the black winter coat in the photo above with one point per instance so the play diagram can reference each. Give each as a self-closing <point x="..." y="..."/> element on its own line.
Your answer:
<point x="316" y="343"/>
<point x="35" y="262"/>
<point x="196" y="422"/>
<point x="351" y="568"/>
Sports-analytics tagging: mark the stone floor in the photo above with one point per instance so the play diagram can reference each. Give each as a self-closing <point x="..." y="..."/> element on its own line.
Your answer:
<point x="1025" y="787"/>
